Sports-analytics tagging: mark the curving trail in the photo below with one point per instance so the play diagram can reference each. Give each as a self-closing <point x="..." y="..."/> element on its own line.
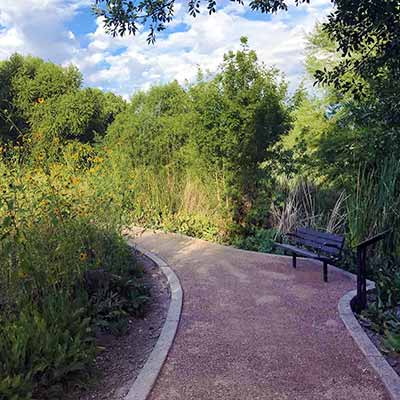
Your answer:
<point x="253" y="328"/>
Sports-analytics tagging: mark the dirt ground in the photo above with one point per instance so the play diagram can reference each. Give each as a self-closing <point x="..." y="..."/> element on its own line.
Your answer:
<point x="123" y="356"/>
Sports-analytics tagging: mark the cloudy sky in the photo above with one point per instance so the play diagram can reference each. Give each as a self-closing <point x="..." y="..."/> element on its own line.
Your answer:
<point x="65" y="31"/>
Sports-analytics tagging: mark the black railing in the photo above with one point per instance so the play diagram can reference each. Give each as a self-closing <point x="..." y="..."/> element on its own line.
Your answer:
<point x="360" y="302"/>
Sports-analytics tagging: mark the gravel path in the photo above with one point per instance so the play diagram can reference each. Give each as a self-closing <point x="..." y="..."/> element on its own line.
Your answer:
<point x="254" y="328"/>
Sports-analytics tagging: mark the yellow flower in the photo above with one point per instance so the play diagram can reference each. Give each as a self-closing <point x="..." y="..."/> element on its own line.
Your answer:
<point x="98" y="159"/>
<point x="40" y="100"/>
<point x="83" y="256"/>
<point x="75" y="180"/>
<point x="22" y="274"/>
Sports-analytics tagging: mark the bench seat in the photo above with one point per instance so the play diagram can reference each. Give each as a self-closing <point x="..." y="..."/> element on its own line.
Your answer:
<point x="303" y="252"/>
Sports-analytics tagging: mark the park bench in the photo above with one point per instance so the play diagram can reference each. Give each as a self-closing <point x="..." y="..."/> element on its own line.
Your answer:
<point x="309" y="243"/>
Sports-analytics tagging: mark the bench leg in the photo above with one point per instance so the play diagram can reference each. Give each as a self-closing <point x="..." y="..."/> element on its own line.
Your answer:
<point x="325" y="271"/>
<point x="294" y="261"/>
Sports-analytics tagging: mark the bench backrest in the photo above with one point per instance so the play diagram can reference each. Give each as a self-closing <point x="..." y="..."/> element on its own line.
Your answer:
<point x="328" y="243"/>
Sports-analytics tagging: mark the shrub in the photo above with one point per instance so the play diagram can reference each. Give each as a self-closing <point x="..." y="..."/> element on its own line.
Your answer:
<point x="54" y="230"/>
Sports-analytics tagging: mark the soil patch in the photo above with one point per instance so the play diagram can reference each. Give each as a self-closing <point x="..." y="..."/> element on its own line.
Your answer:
<point x="377" y="338"/>
<point x="123" y="356"/>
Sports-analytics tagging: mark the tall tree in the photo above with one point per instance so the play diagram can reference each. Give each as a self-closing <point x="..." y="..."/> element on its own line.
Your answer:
<point x="241" y="114"/>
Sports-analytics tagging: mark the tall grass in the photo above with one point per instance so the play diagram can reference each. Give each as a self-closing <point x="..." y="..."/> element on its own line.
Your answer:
<point x="306" y="205"/>
<point x="374" y="204"/>
<point x="179" y="201"/>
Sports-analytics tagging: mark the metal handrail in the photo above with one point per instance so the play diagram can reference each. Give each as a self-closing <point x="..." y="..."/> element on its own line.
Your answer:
<point x="360" y="302"/>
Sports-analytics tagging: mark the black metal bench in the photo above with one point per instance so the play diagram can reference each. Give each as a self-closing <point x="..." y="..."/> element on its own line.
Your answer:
<point x="309" y="243"/>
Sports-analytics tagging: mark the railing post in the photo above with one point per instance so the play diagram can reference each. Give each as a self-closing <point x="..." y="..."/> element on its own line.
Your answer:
<point x="361" y="279"/>
<point x="361" y="298"/>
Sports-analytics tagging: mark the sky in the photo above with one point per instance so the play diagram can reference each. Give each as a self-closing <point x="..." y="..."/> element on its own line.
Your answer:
<point x="66" y="32"/>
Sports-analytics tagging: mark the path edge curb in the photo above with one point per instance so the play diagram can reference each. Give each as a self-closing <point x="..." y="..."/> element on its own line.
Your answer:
<point x="388" y="376"/>
<point x="145" y="381"/>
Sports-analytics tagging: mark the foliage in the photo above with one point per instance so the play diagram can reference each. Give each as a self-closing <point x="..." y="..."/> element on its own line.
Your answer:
<point x="46" y="99"/>
<point x="230" y="158"/>
<point x="124" y="16"/>
<point x="301" y="203"/>
<point x="241" y="114"/>
<point x="204" y="145"/>
<point x="260" y="239"/>
<point x="24" y="83"/>
<point x="373" y="206"/>
<point x="41" y="347"/>
<point x="155" y="126"/>
<point x="366" y="33"/>
<point x="53" y="231"/>
<point x="337" y="132"/>
<point x="84" y="114"/>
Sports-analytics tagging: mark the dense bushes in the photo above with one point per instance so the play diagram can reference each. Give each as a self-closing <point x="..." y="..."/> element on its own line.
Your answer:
<point x="241" y="114"/>
<point x="46" y="99"/>
<point x="57" y="233"/>
<point x="203" y="148"/>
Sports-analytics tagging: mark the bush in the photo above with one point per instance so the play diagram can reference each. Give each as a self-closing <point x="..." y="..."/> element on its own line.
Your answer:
<point x="55" y="230"/>
<point x="260" y="239"/>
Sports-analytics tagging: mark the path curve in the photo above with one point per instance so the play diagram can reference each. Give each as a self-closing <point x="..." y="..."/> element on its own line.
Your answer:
<point x="253" y="328"/>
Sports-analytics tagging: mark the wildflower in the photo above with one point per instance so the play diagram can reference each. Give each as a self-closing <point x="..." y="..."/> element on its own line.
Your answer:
<point x="94" y="169"/>
<point x="74" y="180"/>
<point x="40" y="100"/>
<point x="83" y="256"/>
<point x="22" y="274"/>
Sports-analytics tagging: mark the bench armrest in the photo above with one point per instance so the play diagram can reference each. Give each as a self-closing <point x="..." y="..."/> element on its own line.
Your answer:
<point x="373" y="240"/>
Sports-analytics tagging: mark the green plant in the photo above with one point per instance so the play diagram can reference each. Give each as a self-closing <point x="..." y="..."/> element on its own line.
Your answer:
<point x="44" y="346"/>
<point x="259" y="239"/>
<point x="54" y="229"/>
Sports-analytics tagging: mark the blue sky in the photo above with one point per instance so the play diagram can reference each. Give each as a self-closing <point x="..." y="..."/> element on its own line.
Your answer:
<point x="66" y="31"/>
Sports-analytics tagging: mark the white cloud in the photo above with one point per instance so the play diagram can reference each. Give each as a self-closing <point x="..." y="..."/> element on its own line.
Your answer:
<point x="37" y="27"/>
<point x="126" y="64"/>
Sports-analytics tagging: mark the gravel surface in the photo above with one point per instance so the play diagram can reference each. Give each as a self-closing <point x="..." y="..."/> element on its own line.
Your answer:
<point x="254" y="328"/>
<point x="123" y="357"/>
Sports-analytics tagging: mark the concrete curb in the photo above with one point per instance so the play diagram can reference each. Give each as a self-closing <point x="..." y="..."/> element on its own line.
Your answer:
<point x="147" y="377"/>
<point x="375" y="358"/>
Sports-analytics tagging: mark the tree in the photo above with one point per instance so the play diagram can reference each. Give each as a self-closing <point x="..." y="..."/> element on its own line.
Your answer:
<point x="126" y="16"/>
<point x="367" y="35"/>
<point x="81" y="114"/>
<point x="336" y="133"/>
<point x="46" y="98"/>
<point x="155" y="126"/>
<point x="241" y="114"/>
<point x="25" y="84"/>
